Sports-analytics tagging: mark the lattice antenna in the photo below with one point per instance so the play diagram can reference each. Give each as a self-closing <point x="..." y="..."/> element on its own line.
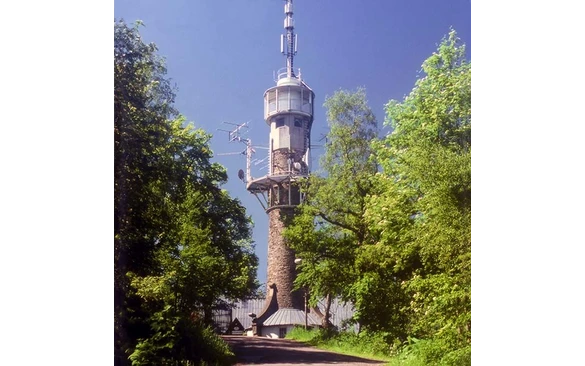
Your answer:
<point x="288" y="41"/>
<point x="235" y="136"/>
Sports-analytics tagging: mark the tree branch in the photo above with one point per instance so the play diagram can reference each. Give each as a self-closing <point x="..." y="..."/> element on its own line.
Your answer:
<point x="337" y="223"/>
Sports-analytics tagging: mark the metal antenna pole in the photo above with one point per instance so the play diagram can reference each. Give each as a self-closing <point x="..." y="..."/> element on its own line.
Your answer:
<point x="291" y="38"/>
<point x="249" y="152"/>
<point x="235" y="135"/>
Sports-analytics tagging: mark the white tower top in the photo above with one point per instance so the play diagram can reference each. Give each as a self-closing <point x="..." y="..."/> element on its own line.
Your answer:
<point x="288" y="110"/>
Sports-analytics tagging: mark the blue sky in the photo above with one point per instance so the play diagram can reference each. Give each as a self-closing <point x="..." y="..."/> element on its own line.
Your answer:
<point x="222" y="54"/>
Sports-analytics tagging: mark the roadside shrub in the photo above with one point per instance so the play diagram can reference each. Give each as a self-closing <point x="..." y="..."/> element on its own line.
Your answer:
<point x="179" y="342"/>
<point x="459" y="357"/>
<point x="431" y="352"/>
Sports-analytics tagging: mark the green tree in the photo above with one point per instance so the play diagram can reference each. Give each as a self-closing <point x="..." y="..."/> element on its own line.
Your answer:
<point x="181" y="244"/>
<point x="142" y="105"/>
<point x="424" y="213"/>
<point x="330" y="225"/>
<point x="206" y="260"/>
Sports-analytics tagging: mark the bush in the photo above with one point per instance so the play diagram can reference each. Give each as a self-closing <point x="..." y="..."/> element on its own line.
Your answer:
<point x="431" y="352"/>
<point x="176" y="342"/>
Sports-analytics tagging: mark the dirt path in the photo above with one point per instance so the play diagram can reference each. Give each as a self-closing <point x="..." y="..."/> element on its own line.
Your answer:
<point x="268" y="351"/>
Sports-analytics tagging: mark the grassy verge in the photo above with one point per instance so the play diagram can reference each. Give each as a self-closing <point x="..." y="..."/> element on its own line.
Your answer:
<point x="373" y="346"/>
<point x="363" y="345"/>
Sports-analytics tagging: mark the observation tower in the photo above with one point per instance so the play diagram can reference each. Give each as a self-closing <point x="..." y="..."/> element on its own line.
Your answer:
<point x="288" y="112"/>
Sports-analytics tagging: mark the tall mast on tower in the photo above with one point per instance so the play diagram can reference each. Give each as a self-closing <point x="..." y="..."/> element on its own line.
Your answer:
<point x="288" y="41"/>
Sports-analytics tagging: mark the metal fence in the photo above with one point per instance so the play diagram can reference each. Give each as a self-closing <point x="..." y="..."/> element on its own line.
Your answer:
<point x="340" y="313"/>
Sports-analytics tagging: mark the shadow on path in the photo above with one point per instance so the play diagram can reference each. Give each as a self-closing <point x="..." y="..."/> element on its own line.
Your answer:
<point x="259" y="350"/>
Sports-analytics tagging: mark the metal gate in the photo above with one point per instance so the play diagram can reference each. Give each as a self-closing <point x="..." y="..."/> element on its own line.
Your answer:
<point x="222" y="319"/>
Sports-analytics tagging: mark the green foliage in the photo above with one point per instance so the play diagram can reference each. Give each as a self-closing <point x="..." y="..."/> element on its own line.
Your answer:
<point x="378" y="303"/>
<point x="431" y="352"/>
<point x="176" y="341"/>
<point x="377" y="345"/>
<point x="303" y="335"/>
<point x="370" y="345"/>
<point x="424" y="216"/>
<point x="352" y="125"/>
<point x="159" y="346"/>
<point x="441" y="307"/>
<point x="438" y="110"/>
<point x="367" y="343"/>
<point x="329" y="226"/>
<point x="182" y="245"/>
<point x="397" y="242"/>
<point x="325" y="255"/>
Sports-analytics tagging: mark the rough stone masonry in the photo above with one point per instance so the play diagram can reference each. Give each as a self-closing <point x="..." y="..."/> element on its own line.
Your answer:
<point x="281" y="259"/>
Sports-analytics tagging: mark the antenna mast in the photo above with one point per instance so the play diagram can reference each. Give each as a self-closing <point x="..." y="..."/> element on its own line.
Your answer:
<point x="235" y="135"/>
<point x="288" y="41"/>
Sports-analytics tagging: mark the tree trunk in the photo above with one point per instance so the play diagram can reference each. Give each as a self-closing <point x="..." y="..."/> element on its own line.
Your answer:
<point x="326" y="322"/>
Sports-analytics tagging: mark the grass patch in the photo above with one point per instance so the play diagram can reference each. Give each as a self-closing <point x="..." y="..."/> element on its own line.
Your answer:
<point x="370" y="346"/>
<point x="373" y="346"/>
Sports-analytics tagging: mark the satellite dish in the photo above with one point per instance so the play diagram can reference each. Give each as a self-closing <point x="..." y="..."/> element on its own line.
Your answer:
<point x="297" y="165"/>
<point x="241" y="174"/>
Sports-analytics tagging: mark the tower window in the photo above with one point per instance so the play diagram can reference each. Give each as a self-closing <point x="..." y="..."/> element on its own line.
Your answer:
<point x="279" y="122"/>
